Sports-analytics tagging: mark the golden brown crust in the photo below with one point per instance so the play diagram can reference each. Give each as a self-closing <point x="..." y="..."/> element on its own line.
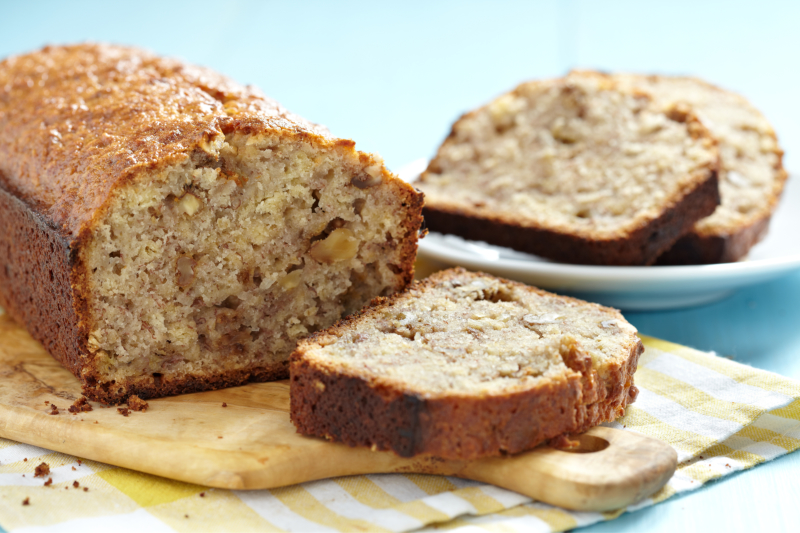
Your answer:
<point x="358" y="412"/>
<point x="640" y="247"/>
<point x="361" y="414"/>
<point x="110" y="113"/>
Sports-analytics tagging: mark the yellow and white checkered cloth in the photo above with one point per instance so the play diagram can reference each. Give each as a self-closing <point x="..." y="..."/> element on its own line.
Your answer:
<point x="719" y="415"/>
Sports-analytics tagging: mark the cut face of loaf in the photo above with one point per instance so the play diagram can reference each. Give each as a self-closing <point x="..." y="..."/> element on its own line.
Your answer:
<point x="220" y="265"/>
<point x="577" y="170"/>
<point x="464" y="365"/>
<point x="751" y="174"/>
<point x="171" y="231"/>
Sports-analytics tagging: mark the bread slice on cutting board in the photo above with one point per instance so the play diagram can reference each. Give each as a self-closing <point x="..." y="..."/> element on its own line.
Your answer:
<point x="464" y="365"/>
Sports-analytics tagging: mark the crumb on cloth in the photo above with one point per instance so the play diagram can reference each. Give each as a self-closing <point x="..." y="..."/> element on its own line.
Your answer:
<point x="42" y="470"/>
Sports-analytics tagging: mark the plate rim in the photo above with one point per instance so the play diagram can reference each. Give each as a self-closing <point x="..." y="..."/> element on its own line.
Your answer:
<point x="739" y="273"/>
<point x="602" y="272"/>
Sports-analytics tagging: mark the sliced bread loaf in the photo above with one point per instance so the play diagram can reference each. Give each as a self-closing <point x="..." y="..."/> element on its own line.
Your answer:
<point x="464" y="365"/>
<point x="166" y="230"/>
<point x="576" y="169"/>
<point x="751" y="174"/>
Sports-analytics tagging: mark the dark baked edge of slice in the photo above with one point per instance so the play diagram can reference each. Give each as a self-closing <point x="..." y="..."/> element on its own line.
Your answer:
<point x="158" y="386"/>
<point x="41" y="268"/>
<point x="642" y="246"/>
<point x="698" y="248"/>
<point x="726" y="245"/>
<point x="359" y="412"/>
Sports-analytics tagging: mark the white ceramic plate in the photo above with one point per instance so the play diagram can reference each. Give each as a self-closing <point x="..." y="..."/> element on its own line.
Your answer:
<point x="631" y="288"/>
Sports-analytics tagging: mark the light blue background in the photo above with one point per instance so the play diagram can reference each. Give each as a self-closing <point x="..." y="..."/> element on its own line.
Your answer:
<point x="394" y="77"/>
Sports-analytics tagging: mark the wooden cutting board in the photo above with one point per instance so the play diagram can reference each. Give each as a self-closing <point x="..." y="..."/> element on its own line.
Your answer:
<point x="251" y="444"/>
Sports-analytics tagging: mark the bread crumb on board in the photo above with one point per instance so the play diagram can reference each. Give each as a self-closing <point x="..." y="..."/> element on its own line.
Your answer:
<point x="81" y="405"/>
<point x="137" y="404"/>
<point x="563" y="442"/>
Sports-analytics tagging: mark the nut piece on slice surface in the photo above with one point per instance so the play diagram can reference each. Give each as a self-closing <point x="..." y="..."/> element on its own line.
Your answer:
<point x="577" y="169"/>
<point x="751" y="174"/>
<point x="464" y="365"/>
<point x="171" y="231"/>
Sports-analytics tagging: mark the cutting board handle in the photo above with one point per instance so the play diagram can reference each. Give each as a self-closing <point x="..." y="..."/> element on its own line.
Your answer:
<point x="611" y="469"/>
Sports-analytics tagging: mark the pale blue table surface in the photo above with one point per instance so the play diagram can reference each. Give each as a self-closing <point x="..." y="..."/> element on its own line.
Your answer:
<point x="394" y="77"/>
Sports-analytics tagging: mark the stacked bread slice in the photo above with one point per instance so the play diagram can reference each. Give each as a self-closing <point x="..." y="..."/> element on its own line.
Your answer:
<point x="608" y="169"/>
<point x="464" y="365"/>
<point x="751" y="174"/>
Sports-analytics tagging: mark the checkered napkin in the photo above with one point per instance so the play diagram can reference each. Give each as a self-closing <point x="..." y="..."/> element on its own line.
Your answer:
<point x="719" y="415"/>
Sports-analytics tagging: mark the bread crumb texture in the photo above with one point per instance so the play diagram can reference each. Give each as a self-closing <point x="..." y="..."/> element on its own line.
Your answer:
<point x="475" y="335"/>
<point x="224" y="266"/>
<point x="578" y="155"/>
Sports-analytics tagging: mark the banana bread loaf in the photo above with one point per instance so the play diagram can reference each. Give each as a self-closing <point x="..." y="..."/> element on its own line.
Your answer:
<point x="165" y="230"/>
<point x="751" y="174"/>
<point x="464" y="365"/>
<point x="576" y="169"/>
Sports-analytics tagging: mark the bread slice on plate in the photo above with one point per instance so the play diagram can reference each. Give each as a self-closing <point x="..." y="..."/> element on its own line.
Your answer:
<point x="464" y="365"/>
<point x="577" y="169"/>
<point x="166" y="230"/>
<point x="751" y="174"/>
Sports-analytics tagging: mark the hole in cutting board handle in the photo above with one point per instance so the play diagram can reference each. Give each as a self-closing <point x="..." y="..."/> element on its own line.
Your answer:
<point x="587" y="444"/>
